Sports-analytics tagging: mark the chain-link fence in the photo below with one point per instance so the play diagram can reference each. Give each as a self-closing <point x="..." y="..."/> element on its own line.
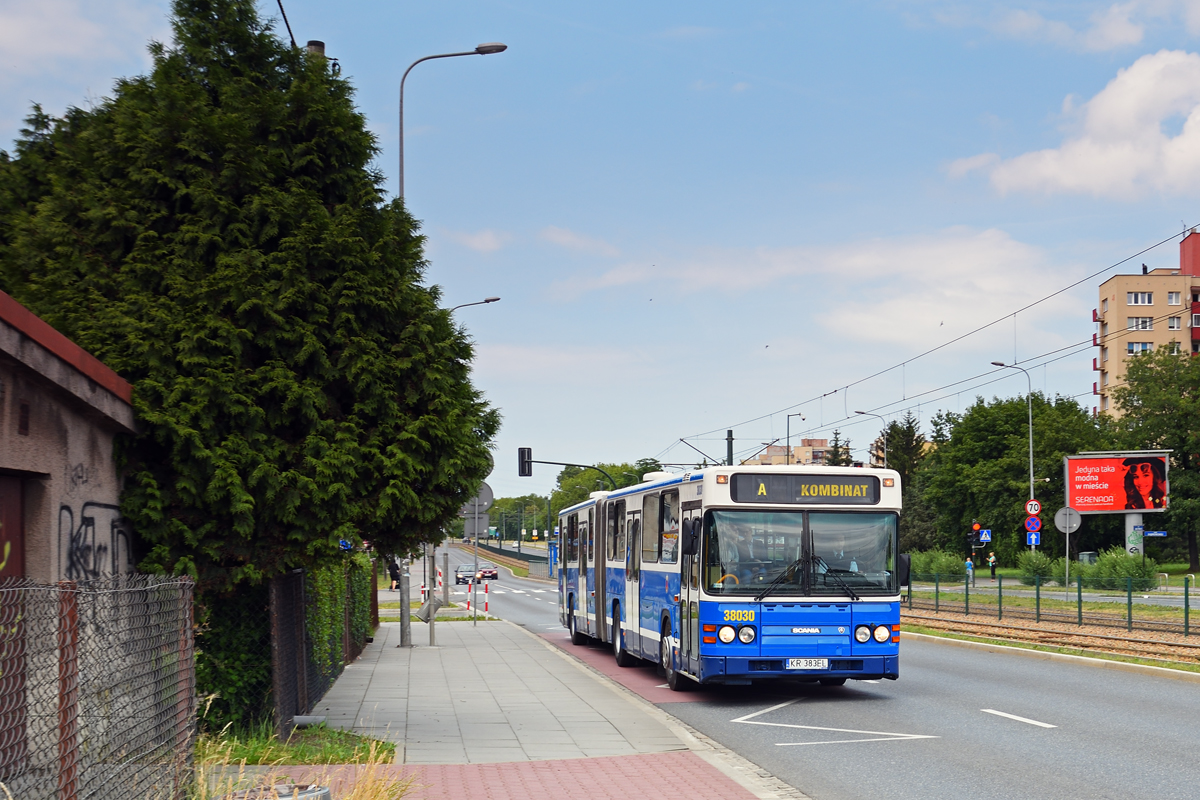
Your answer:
<point x="97" y="688"/>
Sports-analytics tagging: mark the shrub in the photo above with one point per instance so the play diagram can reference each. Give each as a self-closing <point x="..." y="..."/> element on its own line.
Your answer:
<point x="938" y="562"/>
<point x="1034" y="565"/>
<point x="1115" y="565"/>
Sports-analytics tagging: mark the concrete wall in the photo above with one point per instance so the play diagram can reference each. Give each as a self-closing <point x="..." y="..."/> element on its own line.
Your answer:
<point x="60" y="410"/>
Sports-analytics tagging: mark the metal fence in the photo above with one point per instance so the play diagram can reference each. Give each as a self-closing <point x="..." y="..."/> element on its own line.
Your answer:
<point x="97" y="688"/>
<point x="1116" y="602"/>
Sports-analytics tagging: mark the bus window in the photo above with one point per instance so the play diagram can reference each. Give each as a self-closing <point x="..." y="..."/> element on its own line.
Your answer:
<point x="591" y="529"/>
<point x="670" y="527"/>
<point x="573" y="538"/>
<point x="651" y="528"/>
<point x="633" y="563"/>
<point x="616" y="532"/>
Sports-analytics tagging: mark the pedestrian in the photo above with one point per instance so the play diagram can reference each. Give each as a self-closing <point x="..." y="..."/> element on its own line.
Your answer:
<point x="970" y="571"/>
<point x="991" y="562"/>
<point x="394" y="573"/>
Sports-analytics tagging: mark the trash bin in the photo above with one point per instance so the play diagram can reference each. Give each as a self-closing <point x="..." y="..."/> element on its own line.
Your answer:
<point x="428" y="609"/>
<point x="281" y="791"/>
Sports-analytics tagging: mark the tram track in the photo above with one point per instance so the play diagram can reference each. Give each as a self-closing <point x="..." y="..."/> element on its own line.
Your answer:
<point x="1167" y="647"/>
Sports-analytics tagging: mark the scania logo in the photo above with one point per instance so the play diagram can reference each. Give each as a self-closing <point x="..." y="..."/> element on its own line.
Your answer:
<point x="806" y="630"/>
<point x="841" y="630"/>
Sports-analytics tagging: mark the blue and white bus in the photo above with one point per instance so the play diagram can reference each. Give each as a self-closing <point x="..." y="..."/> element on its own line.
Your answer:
<point x="733" y="574"/>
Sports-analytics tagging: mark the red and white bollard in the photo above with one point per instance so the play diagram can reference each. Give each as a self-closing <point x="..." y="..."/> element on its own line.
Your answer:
<point x="485" y="599"/>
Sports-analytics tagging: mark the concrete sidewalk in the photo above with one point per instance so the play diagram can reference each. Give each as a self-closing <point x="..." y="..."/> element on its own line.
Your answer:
<point x="496" y="712"/>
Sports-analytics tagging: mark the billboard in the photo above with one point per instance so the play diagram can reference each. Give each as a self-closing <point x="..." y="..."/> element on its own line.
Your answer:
<point x="1117" y="483"/>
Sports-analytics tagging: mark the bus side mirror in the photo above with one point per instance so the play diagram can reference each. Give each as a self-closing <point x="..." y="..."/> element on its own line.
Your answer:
<point x="903" y="567"/>
<point x="691" y="535"/>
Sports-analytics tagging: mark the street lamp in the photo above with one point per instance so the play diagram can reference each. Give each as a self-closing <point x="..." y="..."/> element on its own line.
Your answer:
<point x="482" y="302"/>
<point x="1029" y="406"/>
<point x="884" y="421"/>
<point x="485" y="49"/>
<point x="788" y="458"/>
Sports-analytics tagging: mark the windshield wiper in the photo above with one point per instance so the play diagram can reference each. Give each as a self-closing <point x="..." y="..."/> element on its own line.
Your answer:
<point x="778" y="579"/>
<point x="838" y="578"/>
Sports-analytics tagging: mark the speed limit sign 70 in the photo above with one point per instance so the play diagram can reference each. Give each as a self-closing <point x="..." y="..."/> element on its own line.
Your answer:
<point x="1033" y="507"/>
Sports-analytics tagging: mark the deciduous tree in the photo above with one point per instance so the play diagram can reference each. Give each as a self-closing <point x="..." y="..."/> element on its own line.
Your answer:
<point x="1160" y="406"/>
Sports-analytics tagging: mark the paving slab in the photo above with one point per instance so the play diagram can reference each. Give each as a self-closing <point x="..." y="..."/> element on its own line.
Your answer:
<point x="495" y="711"/>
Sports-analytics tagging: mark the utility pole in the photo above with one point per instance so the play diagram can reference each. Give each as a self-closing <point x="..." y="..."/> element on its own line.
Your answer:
<point x="729" y="448"/>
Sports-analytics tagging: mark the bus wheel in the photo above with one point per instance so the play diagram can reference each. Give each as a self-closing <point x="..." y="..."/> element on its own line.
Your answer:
<point x="577" y="636"/>
<point x="677" y="682"/>
<point x="624" y="657"/>
<point x="833" y="681"/>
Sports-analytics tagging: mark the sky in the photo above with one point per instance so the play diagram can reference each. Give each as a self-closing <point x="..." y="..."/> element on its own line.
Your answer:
<point x="704" y="216"/>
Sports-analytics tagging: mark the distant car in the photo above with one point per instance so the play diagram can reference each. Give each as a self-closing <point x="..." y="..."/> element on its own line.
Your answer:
<point x="464" y="573"/>
<point x="488" y="572"/>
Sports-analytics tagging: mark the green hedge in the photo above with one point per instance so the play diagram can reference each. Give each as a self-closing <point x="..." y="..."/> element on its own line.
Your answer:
<point x="233" y="639"/>
<point x="938" y="562"/>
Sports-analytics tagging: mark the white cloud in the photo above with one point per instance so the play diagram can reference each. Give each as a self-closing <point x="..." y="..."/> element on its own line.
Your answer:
<point x="577" y="241"/>
<point x="1119" y="25"/>
<point x="484" y="241"/>
<point x="962" y="166"/>
<point x="915" y="288"/>
<point x="1120" y="149"/>
<point x="62" y="34"/>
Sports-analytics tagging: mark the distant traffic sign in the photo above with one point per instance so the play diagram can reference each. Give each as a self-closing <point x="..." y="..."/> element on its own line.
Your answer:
<point x="1033" y="507"/>
<point x="985" y="535"/>
<point x="1156" y="534"/>
<point x="1067" y="519"/>
<point x="1033" y="539"/>
<point x="1033" y="524"/>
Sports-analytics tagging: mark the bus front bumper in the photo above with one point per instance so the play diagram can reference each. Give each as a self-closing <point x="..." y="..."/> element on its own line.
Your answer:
<point x="723" y="669"/>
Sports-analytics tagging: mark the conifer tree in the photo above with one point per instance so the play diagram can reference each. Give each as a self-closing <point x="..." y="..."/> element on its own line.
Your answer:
<point x="216" y="234"/>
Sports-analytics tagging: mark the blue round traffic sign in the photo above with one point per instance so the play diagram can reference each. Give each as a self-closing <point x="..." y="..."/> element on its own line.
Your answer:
<point x="1033" y="524"/>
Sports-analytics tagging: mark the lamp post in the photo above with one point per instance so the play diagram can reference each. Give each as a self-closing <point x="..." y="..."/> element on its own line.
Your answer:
<point x="484" y="301"/>
<point x="482" y="50"/>
<point x="788" y="458"/>
<point x="884" y="421"/>
<point x="1029" y="408"/>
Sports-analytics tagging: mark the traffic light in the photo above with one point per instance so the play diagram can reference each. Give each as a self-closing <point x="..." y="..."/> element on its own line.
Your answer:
<point x="525" y="462"/>
<point x="975" y="527"/>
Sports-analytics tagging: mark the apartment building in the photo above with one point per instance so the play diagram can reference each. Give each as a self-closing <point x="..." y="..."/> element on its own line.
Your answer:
<point x="1140" y="313"/>
<point x="810" y="451"/>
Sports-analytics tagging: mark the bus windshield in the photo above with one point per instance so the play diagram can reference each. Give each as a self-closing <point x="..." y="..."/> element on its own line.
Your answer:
<point x="813" y="553"/>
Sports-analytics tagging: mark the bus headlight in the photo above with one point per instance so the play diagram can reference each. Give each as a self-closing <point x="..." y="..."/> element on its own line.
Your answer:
<point x="862" y="634"/>
<point x="746" y="634"/>
<point x="726" y="634"/>
<point x="882" y="634"/>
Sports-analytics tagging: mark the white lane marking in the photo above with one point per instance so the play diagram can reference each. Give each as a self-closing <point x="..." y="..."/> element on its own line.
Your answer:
<point x="663" y="686"/>
<point x="877" y="736"/>
<point x="1018" y="719"/>
<point x="539" y="591"/>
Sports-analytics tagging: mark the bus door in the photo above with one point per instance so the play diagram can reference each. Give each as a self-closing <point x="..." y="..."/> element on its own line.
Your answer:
<point x="651" y="589"/>
<point x="586" y="575"/>
<point x="614" y="557"/>
<point x="600" y="573"/>
<point x="633" y="573"/>
<point x="689" y="589"/>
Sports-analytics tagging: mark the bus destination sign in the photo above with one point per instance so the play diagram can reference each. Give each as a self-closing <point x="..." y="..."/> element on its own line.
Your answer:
<point x="805" y="489"/>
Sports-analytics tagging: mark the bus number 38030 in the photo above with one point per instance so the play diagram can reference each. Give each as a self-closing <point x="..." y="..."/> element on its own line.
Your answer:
<point x="739" y="615"/>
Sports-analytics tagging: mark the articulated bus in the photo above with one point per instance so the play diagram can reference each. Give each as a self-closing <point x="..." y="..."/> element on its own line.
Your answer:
<point x="738" y="574"/>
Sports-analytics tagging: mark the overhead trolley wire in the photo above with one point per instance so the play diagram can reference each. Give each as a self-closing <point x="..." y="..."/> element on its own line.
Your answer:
<point x="945" y="344"/>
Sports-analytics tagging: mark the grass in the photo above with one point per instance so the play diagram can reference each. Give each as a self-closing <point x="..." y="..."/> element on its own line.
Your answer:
<point x="219" y="773"/>
<point x="1070" y="651"/>
<point x="314" y="745"/>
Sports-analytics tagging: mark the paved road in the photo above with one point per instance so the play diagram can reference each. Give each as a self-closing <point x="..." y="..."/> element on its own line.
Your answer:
<point x="533" y="604"/>
<point x="961" y="722"/>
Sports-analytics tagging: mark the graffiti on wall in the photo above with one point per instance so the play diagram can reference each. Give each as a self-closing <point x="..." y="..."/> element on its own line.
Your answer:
<point x="96" y="541"/>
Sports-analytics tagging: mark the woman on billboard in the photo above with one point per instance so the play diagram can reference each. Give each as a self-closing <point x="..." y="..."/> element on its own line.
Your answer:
<point x="1145" y="483"/>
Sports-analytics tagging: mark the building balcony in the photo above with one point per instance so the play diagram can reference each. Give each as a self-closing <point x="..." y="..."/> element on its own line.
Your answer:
<point x="1095" y="315"/>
